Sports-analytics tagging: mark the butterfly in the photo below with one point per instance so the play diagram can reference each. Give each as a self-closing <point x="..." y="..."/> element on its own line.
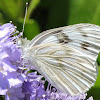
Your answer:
<point x="65" y="56"/>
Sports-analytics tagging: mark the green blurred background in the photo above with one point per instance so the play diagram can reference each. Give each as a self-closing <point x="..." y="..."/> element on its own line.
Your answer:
<point x="46" y="14"/>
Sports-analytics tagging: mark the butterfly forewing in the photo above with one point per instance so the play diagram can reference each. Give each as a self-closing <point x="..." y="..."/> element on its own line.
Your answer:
<point x="84" y="36"/>
<point x="66" y="56"/>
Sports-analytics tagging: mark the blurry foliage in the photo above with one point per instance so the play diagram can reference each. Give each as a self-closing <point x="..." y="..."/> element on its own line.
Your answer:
<point x="14" y="10"/>
<point x="45" y="14"/>
<point x="84" y="11"/>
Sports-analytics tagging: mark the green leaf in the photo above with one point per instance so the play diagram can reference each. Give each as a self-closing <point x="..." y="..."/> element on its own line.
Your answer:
<point x="96" y="15"/>
<point x="83" y="11"/>
<point x="32" y="7"/>
<point x="10" y="8"/>
<point x="31" y="28"/>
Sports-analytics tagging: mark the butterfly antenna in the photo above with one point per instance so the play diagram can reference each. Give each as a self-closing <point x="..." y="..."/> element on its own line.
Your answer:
<point x="25" y="18"/>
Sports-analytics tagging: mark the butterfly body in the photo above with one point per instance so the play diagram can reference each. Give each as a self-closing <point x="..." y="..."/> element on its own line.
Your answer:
<point x="66" y="56"/>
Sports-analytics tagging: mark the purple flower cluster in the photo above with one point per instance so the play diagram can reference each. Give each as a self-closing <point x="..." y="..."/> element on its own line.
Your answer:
<point x="17" y="83"/>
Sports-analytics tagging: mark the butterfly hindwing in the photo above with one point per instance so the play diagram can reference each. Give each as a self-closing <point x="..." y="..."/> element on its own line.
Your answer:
<point x="65" y="68"/>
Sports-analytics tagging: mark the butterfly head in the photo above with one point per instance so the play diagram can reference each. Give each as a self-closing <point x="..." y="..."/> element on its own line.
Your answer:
<point x="23" y="44"/>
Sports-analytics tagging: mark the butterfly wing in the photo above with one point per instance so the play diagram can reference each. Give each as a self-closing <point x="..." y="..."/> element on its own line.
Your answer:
<point x="64" y="67"/>
<point x="66" y="56"/>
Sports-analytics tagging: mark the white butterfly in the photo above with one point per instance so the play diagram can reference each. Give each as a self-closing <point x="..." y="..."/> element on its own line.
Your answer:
<point x="65" y="56"/>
